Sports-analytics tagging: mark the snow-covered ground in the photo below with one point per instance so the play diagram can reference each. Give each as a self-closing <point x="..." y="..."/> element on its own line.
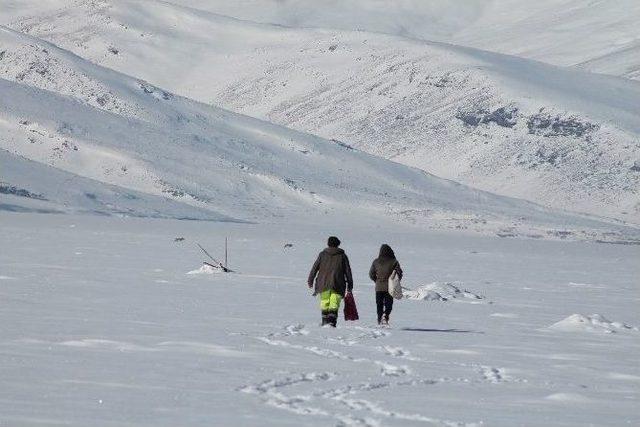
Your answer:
<point x="103" y="326"/>
<point x="557" y="136"/>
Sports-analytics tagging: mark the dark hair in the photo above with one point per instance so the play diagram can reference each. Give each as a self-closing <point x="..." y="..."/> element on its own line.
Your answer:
<point x="386" y="252"/>
<point x="333" y="242"/>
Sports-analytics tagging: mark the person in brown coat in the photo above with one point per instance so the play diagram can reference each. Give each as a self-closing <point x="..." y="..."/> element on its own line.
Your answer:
<point x="331" y="274"/>
<point x="380" y="270"/>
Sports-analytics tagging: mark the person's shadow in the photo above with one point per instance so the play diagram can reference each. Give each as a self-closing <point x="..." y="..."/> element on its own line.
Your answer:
<point x="458" y="331"/>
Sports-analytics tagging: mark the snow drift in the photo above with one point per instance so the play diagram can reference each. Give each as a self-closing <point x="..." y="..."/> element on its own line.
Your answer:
<point x="592" y="323"/>
<point x="437" y="291"/>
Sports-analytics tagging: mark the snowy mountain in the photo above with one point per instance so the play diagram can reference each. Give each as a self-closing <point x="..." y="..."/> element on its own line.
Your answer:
<point x="105" y="127"/>
<point x="556" y="136"/>
<point x="599" y="36"/>
<point x="131" y="142"/>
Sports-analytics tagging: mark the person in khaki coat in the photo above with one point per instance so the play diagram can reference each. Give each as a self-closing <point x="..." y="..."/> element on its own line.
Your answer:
<point x="330" y="277"/>
<point x="380" y="270"/>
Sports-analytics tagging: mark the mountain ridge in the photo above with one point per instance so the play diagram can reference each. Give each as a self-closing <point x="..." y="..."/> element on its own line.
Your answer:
<point x="194" y="158"/>
<point x="560" y="137"/>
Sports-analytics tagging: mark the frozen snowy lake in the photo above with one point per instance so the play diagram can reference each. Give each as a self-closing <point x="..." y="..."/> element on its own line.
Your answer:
<point x="101" y="325"/>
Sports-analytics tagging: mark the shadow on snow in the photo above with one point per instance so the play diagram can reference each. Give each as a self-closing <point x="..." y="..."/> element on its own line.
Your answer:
<point x="461" y="331"/>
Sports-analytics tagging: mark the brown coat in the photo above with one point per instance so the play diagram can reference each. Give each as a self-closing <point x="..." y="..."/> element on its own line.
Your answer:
<point x="380" y="271"/>
<point x="331" y="271"/>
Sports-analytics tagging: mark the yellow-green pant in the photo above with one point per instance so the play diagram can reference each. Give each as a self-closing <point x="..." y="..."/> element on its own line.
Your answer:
<point x="330" y="300"/>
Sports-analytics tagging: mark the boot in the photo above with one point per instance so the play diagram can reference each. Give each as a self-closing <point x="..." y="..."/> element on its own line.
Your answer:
<point x="332" y="318"/>
<point x="325" y="318"/>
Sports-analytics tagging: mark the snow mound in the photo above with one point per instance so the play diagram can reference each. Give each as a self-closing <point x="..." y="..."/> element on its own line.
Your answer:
<point x="592" y="323"/>
<point x="438" y="291"/>
<point x="567" y="397"/>
<point x="205" y="269"/>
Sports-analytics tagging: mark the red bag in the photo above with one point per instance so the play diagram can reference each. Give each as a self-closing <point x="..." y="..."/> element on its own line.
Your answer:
<point x="350" y="310"/>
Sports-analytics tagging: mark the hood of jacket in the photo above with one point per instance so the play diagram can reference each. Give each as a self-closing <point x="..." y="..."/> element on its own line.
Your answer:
<point x="333" y="251"/>
<point x="386" y="252"/>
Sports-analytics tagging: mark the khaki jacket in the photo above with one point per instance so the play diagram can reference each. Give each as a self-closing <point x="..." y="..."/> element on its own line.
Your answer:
<point x="331" y="271"/>
<point x="380" y="271"/>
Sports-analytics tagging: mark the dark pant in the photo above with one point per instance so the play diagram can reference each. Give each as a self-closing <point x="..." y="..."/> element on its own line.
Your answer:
<point x="384" y="304"/>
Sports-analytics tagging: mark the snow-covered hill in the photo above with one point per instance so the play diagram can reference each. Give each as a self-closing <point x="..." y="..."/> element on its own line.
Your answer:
<point x="599" y="36"/>
<point x="560" y="137"/>
<point x="130" y="144"/>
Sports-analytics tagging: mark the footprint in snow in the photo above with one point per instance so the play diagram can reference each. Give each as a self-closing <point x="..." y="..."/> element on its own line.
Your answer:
<point x="270" y="392"/>
<point x="387" y="369"/>
<point x="371" y="333"/>
<point x="497" y="375"/>
<point x="291" y="330"/>
<point x="274" y="384"/>
<point x="493" y="375"/>
<point x="342" y="341"/>
<point x="296" y="330"/>
<point x="398" y="352"/>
